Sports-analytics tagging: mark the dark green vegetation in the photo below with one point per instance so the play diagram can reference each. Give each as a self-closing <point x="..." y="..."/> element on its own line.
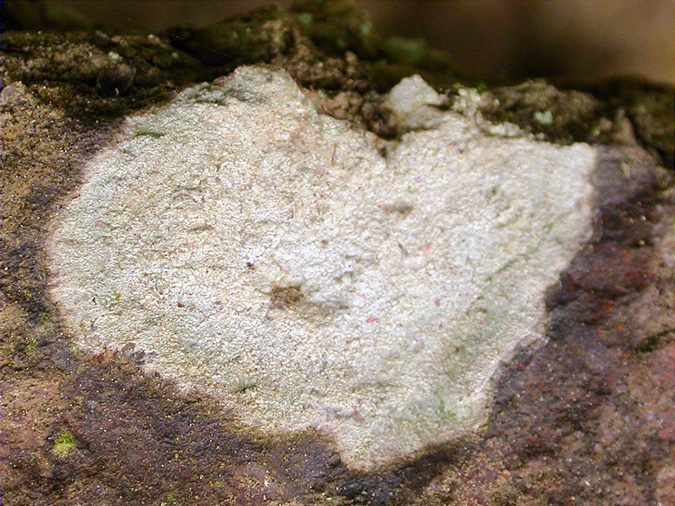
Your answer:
<point x="327" y="46"/>
<point x="576" y="419"/>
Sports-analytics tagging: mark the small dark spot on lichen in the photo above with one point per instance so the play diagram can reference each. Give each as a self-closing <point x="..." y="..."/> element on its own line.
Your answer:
<point x="655" y="341"/>
<point x="402" y="209"/>
<point x="243" y="385"/>
<point x="286" y="297"/>
<point x="146" y="132"/>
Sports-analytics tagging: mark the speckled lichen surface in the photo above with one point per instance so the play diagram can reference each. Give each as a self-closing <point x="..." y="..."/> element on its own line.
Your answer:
<point x="273" y="257"/>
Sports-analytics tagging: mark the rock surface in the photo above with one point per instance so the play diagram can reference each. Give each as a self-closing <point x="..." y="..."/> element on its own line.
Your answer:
<point x="272" y="256"/>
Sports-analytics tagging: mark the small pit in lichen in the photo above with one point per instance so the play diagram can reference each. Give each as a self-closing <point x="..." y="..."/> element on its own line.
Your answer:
<point x="286" y="297"/>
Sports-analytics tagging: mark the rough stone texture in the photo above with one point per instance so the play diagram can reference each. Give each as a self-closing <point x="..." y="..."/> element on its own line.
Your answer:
<point x="584" y="419"/>
<point x="269" y="255"/>
<point x="415" y="104"/>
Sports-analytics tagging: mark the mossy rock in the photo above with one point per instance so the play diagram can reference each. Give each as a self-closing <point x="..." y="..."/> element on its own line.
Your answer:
<point x="337" y="26"/>
<point x="256" y="37"/>
<point x="651" y="108"/>
<point x="97" y="75"/>
<point x="538" y="107"/>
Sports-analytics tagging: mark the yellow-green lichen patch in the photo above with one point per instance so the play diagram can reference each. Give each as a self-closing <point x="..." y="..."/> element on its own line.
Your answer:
<point x="147" y="132"/>
<point x="64" y="444"/>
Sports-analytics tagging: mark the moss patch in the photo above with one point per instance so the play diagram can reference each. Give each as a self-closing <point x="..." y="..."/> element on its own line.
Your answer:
<point x="651" y="109"/>
<point x="538" y="107"/>
<point x="326" y="46"/>
<point x="95" y="75"/>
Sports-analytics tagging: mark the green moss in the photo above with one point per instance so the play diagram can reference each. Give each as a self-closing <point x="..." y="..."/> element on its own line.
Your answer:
<point x="415" y="52"/>
<point x="402" y="50"/>
<point x="116" y="297"/>
<point x="170" y="499"/>
<point x="337" y="26"/>
<point x="305" y="19"/>
<point x="444" y="413"/>
<point x="64" y="444"/>
<point x="655" y="341"/>
<point x="653" y="114"/>
<point x="98" y="76"/>
<point x="318" y="30"/>
<point x="31" y="346"/>
<point x="538" y="107"/>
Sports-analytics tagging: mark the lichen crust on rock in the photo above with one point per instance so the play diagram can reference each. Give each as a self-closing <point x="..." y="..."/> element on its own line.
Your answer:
<point x="273" y="257"/>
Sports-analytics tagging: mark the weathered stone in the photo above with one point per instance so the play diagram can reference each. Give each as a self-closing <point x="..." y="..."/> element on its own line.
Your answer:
<point x="415" y="104"/>
<point x="271" y="256"/>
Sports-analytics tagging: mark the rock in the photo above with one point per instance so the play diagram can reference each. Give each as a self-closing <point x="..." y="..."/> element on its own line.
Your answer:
<point x="115" y="79"/>
<point x="539" y="107"/>
<point x="272" y="257"/>
<point x="416" y="104"/>
<point x="259" y="37"/>
<point x="7" y="93"/>
<point x="665" y="484"/>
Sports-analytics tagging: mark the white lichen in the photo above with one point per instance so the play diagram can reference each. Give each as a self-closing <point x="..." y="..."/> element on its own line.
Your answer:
<point x="269" y="255"/>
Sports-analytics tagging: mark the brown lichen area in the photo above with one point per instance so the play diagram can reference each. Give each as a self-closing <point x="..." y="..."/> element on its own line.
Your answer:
<point x="587" y="419"/>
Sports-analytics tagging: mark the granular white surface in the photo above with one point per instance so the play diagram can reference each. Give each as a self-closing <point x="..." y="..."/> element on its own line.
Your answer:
<point x="271" y="256"/>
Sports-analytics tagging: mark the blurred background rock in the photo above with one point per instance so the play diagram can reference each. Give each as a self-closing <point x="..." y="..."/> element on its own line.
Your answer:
<point x="488" y="39"/>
